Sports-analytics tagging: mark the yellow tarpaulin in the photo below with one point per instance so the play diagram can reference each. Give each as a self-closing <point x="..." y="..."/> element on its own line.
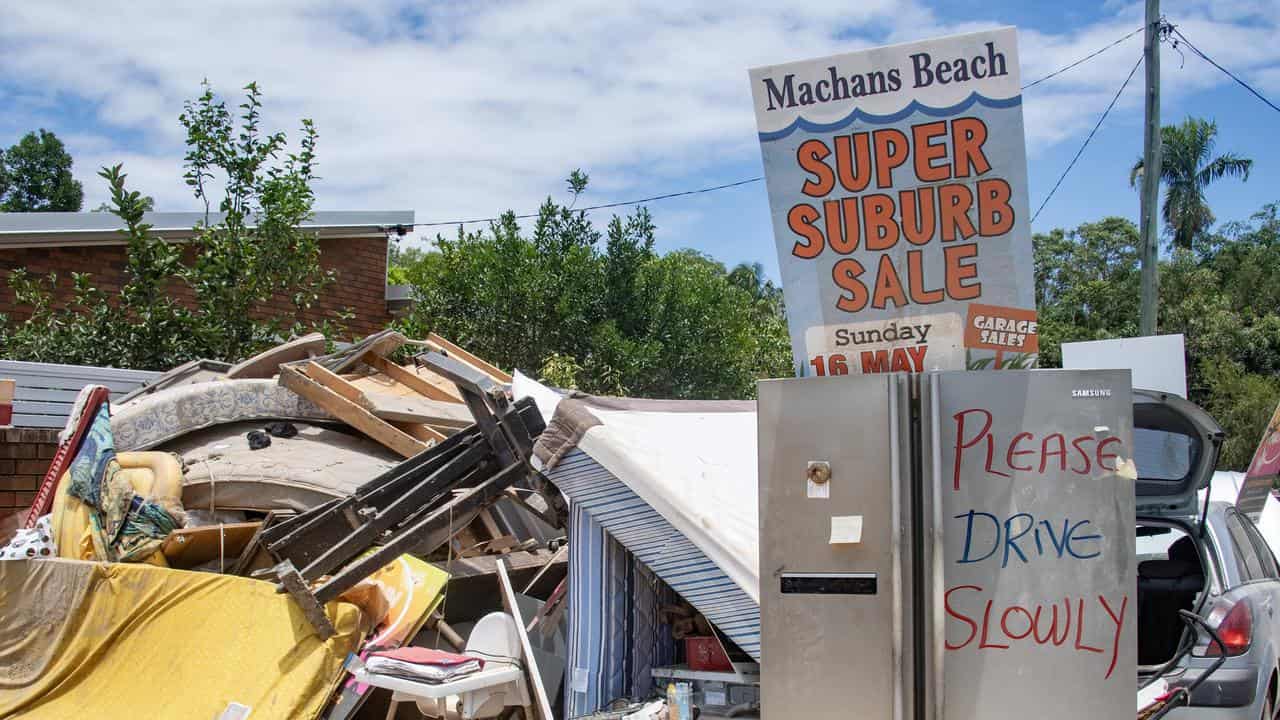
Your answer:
<point x="82" y="639"/>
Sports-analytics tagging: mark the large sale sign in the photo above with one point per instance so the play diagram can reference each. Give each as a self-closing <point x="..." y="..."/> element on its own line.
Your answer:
<point x="898" y="193"/>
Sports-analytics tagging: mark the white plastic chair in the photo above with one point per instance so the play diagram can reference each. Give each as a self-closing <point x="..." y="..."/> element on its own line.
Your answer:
<point x="501" y="684"/>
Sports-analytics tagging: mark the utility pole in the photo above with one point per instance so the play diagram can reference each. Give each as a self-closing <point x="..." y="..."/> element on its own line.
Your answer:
<point x="1150" y="224"/>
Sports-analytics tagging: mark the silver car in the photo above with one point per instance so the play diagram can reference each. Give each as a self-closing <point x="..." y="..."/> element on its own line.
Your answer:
<point x="1203" y="558"/>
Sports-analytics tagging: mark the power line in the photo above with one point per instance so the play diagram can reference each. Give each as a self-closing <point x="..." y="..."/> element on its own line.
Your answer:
<point x="604" y="206"/>
<point x="1229" y="74"/>
<point x="725" y="186"/>
<point x="1082" y="60"/>
<point x="1080" y="152"/>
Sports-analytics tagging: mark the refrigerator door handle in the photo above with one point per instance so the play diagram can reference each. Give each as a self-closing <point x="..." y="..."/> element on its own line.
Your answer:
<point x="938" y="592"/>
<point x="895" y="473"/>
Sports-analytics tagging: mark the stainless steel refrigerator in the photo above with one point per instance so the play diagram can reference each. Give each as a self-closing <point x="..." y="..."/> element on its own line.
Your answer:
<point x="951" y="545"/>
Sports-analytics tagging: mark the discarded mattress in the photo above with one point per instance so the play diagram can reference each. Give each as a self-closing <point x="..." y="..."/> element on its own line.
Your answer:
<point x="297" y="473"/>
<point x="81" y="639"/>
<point x="675" y="483"/>
<point x="165" y="414"/>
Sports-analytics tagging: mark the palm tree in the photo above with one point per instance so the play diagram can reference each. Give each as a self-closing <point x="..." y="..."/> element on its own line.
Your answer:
<point x="1186" y="170"/>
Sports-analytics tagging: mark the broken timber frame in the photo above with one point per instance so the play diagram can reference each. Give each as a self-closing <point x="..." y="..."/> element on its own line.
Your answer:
<point x="416" y="506"/>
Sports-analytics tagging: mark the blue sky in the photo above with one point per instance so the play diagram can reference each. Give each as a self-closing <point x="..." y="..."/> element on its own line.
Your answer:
<point x="463" y="110"/>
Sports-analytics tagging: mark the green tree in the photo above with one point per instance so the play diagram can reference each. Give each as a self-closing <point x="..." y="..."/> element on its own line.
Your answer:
<point x="248" y="251"/>
<point x="400" y="257"/>
<point x="1187" y="167"/>
<point x="1223" y="299"/>
<point x="1242" y="402"/>
<point x="1086" y="284"/>
<point x="35" y="176"/>
<point x="601" y="312"/>
<point x="254" y="248"/>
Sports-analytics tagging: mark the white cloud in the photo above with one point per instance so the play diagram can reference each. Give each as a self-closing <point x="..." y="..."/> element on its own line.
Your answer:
<point x="461" y="110"/>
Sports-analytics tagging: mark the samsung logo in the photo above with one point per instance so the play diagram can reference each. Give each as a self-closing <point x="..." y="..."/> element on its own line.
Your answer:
<point x="1082" y="393"/>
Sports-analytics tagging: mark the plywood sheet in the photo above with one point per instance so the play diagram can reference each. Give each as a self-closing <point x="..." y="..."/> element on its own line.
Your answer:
<point x="416" y="409"/>
<point x="188" y="547"/>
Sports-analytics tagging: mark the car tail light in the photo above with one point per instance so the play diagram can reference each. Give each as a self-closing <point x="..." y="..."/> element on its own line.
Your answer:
<point x="1234" y="624"/>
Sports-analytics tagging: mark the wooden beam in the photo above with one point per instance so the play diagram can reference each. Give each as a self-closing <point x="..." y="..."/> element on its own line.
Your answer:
<point x="317" y="372"/>
<point x="411" y="379"/>
<point x="448" y="348"/>
<point x="547" y="516"/>
<point x="436" y="622"/>
<point x="526" y="648"/>
<point x="486" y="565"/>
<point x="561" y="554"/>
<point x="350" y="413"/>
<point x="245" y="564"/>
<point x="490" y="525"/>
<point x="425" y="433"/>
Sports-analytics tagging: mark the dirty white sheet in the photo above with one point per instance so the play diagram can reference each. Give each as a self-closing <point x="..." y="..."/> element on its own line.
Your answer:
<point x="694" y="462"/>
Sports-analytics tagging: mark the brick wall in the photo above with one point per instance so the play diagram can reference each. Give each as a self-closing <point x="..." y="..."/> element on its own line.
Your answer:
<point x="360" y="285"/>
<point x="24" y="458"/>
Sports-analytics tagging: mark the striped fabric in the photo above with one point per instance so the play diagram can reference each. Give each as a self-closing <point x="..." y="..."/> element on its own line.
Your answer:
<point x="660" y="547"/>
<point x="597" y="653"/>
<point x="616" y="637"/>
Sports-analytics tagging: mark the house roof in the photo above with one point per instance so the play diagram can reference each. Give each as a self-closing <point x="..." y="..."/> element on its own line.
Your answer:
<point x="40" y="229"/>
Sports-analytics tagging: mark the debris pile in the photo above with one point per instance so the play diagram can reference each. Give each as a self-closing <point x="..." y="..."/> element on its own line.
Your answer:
<point x="371" y="526"/>
<point x="386" y="506"/>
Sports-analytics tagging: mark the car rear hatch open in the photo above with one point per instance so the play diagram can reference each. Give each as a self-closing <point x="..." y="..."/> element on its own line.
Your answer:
<point x="1176" y="449"/>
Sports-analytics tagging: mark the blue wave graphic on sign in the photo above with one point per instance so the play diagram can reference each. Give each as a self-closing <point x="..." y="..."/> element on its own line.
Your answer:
<point x="858" y="115"/>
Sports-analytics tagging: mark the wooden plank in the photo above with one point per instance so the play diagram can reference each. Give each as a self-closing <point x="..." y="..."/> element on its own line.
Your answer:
<point x="561" y="554"/>
<point x="425" y="433"/>
<point x="413" y="380"/>
<point x="490" y="525"/>
<point x="247" y="562"/>
<point x="449" y="348"/>
<point x="526" y="648"/>
<point x="188" y="547"/>
<point x="317" y="372"/>
<point x="350" y="413"/>
<point x="448" y="633"/>
<point x="413" y="409"/>
<point x="267" y="363"/>
<point x="482" y="565"/>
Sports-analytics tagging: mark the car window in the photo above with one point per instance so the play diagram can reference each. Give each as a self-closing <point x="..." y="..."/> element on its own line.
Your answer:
<point x="1153" y="543"/>
<point x="1163" y="454"/>
<point x="1246" y="554"/>
<point x="1267" y="558"/>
